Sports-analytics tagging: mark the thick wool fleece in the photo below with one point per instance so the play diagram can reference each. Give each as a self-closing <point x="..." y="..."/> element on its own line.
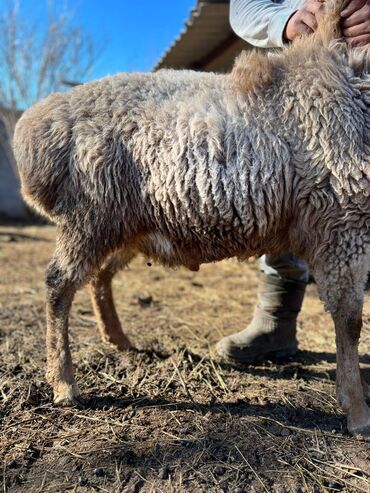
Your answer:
<point x="190" y="167"/>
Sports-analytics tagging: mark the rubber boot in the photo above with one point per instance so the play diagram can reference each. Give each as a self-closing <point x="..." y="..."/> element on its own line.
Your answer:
<point x="272" y="331"/>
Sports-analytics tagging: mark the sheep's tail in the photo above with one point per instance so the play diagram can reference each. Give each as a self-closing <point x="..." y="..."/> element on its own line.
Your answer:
<point x="329" y="22"/>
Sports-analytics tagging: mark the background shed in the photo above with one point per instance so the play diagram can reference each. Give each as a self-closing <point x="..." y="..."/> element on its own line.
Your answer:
<point x="207" y="41"/>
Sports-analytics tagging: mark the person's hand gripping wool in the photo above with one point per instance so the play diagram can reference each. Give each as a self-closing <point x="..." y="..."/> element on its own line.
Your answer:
<point x="303" y="21"/>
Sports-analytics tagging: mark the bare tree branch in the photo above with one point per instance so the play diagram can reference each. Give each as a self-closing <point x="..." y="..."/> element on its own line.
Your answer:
<point x="35" y="60"/>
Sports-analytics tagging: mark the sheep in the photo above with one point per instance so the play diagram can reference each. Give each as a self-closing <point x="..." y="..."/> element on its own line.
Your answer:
<point x="189" y="168"/>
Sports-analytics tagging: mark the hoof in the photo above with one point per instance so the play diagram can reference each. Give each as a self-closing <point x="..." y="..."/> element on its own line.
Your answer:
<point x="360" y="427"/>
<point x="124" y="346"/>
<point x="68" y="396"/>
<point x="366" y="388"/>
<point x="362" y="432"/>
<point x="121" y="343"/>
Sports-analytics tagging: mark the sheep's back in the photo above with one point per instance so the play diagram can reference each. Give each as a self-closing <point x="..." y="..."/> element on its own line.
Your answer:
<point x="172" y="146"/>
<point x="74" y="143"/>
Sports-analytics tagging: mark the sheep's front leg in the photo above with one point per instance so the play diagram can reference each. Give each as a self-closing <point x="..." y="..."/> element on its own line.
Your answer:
<point x="341" y="283"/>
<point x="350" y="387"/>
<point x="60" y="293"/>
<point x="105" y="311"/>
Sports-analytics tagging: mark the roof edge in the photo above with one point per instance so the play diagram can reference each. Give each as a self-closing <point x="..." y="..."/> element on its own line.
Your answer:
<point x="193" y="15"/>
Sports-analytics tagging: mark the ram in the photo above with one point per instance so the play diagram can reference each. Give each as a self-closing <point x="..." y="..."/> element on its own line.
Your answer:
<point x="188" y="168"/>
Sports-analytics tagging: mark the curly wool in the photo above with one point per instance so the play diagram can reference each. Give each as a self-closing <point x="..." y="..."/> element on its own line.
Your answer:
<point x="190" y="167"/>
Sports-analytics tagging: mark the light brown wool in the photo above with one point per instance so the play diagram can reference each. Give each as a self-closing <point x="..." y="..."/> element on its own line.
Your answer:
<point x="190" y="167"/>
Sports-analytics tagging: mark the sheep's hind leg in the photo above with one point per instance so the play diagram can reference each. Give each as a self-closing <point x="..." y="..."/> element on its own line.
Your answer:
<point x="74" y="261"/>
<point x="341" y="288"/>
<point x="60" y="293"/>
<point x="102" y="299"/>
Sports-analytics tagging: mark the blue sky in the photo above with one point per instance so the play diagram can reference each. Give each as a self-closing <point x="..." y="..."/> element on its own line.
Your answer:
<point x="138" y="32"/>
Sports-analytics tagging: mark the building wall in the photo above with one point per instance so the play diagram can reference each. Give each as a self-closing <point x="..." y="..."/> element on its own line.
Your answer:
<point x="223" y="60"/>
<point x="11" y="203"/>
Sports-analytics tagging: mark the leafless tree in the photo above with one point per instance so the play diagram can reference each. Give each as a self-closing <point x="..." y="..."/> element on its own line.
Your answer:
<point x="37" y="58"/>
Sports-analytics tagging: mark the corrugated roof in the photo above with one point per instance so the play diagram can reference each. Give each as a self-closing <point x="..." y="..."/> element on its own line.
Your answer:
<point x="207" y="27"/>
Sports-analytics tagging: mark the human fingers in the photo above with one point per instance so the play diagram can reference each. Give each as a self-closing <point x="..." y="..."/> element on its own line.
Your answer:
<point x="303" y="28"/>
<point x="358" y="30"/>
<point x="296" y="27"/>
<point x="309" y="20"/>
<point x="358" y="17"/>
<point x="362" y="40"/>
<point x="315" y="6"/>
<point x="352" y="7"/>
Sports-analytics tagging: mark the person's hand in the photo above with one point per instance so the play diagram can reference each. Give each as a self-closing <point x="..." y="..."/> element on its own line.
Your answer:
<point x="356" y="22"/>
<point x="304" y="20"/>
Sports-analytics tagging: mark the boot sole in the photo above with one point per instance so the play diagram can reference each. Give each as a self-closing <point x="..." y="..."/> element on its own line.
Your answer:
<point x="282" y="354"/>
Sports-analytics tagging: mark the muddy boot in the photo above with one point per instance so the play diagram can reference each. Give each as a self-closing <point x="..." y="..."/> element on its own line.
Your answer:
<point x="272" y="331"/>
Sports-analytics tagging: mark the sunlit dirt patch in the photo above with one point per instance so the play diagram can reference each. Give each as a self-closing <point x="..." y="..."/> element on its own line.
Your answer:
<point x="168" y="416"/>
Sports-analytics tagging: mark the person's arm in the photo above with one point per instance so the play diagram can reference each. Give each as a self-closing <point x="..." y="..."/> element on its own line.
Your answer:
<point x="266" y="24"/>
<point x="260" y="22"/>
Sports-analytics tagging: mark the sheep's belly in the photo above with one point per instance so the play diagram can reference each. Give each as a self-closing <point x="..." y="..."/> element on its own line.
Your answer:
<point x="158" y="247"/>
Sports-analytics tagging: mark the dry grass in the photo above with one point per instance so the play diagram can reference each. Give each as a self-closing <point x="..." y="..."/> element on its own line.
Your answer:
<point x="168" y="417"/>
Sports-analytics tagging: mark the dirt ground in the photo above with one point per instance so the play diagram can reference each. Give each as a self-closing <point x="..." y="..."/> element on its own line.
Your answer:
<point x="168" y="416"/>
